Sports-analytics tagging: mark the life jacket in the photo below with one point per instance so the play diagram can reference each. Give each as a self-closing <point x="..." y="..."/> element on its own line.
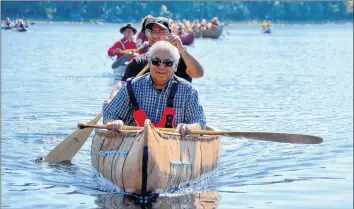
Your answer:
<point x="168" y="116"/>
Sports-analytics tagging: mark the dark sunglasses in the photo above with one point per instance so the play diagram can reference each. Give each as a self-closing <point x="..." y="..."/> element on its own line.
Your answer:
<point x="166" y="63"/>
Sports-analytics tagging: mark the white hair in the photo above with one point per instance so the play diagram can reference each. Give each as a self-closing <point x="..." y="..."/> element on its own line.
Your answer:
<point x="164" y="45"/>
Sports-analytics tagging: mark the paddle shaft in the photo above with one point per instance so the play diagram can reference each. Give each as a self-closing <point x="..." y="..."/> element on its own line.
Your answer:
<point x="128" y="52"/>
<point x="131" y="51"/>
<point x="263" y="136"/>
<point x="143" y="71"/>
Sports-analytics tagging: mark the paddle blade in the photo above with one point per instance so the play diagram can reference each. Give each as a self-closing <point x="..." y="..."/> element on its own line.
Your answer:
<point x="278" y="137"/>
<point x="68" y="148"/>
<point x="121" y="61"/>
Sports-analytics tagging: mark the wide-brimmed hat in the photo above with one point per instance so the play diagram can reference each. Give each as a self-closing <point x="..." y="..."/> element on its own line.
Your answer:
<point x="161" y="21"/>
<point x="129" y="25"/>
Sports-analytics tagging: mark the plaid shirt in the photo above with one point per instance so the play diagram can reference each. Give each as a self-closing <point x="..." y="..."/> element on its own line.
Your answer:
<point x="153" y="102"/>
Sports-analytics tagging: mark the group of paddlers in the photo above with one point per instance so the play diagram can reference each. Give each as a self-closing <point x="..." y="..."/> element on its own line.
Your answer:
<point x="185" y="27"/>
<point x="181" y="28"/>
<point x="16" y="24"/>
<point x="164" y="94"/>
<point x="266" y="26"/>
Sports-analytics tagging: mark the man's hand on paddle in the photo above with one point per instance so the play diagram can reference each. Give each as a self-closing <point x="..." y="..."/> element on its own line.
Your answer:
<point x="117" y="125"/>
<point x="145" y="44"/>
<point x="186" y="129"/>
<point x="183" y="129"/>
<point x="116" y="51"/>
<point x="176" y="41"/>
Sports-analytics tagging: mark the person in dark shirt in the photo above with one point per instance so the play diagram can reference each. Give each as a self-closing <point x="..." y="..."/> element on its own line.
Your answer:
<point x="160" y="30"/>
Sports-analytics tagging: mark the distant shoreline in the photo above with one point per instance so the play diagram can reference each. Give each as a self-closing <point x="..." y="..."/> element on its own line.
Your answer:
<point x="225" y="23"/>
<point x="287" y="22"/>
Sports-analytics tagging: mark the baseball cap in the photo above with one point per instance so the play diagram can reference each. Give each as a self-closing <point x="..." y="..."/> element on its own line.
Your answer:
<point x="161" y="21"/>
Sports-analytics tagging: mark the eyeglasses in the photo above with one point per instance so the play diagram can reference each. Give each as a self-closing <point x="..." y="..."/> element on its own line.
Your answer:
<point x="157" y="33"/>
<point x="166" y="63"/>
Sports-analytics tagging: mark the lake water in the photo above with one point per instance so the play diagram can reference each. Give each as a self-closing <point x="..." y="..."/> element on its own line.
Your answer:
<point x="299" y="79"/>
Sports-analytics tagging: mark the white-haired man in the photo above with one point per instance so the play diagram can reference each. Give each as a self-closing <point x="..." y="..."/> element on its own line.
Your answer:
<point x="167" y="100"/>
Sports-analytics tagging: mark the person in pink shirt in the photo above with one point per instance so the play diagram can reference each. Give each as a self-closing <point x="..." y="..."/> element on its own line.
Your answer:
<point x="126" y="44"/>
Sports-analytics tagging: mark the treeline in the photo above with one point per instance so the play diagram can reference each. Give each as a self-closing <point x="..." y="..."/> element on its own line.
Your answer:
<point x="134" y="11"/>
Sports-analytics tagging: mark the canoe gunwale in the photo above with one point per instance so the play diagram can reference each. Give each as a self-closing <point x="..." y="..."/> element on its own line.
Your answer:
<point x="188" y="39"/>
<point x="113" y="134"/>
<point x="164" y="135"/>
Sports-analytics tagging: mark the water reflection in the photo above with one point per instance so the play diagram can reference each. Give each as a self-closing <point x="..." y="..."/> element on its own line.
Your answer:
<point x="203" y="200"/>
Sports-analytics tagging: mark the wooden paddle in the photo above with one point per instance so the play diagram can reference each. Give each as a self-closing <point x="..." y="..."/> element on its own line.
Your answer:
<point x="128" y="54"/>
<point x="121" y="61"/>
<point x="262" y="136"/>
<point x="68" y="148"/>
<point x="143" y="71"/>
<point x="131" y="52"/>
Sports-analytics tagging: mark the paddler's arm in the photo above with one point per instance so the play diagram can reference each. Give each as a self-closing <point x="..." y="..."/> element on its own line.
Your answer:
<point x="114" y="50"/>
<point x="194" y="116"/>
<point x="194" y="68"/>
<point x="119" y="108"/>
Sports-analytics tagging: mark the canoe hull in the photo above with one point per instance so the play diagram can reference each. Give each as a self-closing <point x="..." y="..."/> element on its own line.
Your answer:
<point x="215" y="34"/>
<point x="267" y="30"/>
<point x="188" y="39"/>
<point x="6" y="28"/>
<point x="120" y="65"/>
<point x="148" y="161"/>
<point x="21" y="30"/>
<point x="119" y="71"/>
